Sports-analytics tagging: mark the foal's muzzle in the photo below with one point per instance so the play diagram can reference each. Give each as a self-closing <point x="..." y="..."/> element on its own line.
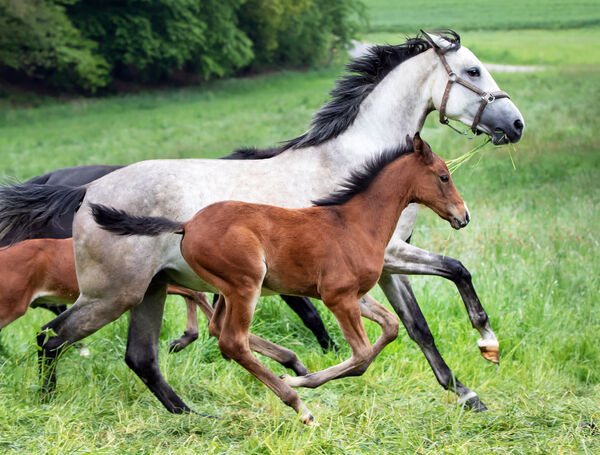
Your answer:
<point x="459" y="221"/>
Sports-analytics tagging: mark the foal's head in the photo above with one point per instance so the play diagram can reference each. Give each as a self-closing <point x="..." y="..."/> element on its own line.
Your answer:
<point x="433" y="186"/>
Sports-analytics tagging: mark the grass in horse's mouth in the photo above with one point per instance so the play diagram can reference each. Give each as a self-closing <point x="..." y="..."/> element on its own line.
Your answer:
<point x="455" y="163"/>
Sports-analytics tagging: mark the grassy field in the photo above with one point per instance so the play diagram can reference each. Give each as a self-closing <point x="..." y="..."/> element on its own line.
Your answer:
<point x="531" y="246"/>
<point x="403" y="15"/>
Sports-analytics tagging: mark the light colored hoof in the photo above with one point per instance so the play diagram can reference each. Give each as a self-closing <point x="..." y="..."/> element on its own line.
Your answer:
<point x="84" y="352"/>
<point x="490" y="350"/>
<point x="306" y="417"/>
<point x="290" y="380"/>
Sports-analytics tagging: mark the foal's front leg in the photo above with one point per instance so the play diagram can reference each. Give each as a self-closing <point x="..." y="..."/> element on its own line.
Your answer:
<point x="348" y="314"/>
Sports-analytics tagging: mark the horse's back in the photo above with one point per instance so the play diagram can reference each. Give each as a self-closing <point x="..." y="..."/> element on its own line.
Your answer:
<point x="74" y="176"/>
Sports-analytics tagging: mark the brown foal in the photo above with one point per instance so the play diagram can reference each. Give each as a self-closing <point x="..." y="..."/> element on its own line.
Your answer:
<point x="333" y="251"/>
<point x="38" y="271"/>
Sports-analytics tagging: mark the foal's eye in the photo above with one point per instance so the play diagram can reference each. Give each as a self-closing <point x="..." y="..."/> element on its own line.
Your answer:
<point x="473" y="72"/>
<point x="444" y="178"/>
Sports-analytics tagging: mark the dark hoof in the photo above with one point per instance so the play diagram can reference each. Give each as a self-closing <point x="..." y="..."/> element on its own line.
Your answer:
<point x="475" y="405"/>
<point x="176" y="346"/>
<point x="329" y="345"/>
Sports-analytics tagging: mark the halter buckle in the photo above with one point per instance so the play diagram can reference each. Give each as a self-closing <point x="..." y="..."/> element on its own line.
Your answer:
<point x="488" y="97"/>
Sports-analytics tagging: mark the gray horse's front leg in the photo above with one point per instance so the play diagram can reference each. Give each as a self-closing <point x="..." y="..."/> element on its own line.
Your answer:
<point x="405" y="259"/>
<point x="398" y="291"/>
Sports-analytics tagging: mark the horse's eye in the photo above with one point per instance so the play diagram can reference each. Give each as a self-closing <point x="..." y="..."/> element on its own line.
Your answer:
<point x="473" y="72"/>
<point x="444" y="178"/>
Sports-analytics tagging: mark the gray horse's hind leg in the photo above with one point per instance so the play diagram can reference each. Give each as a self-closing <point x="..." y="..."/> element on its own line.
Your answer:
<point x="80" y="320"/>
<point x="398" y="291"/>
<point x="141" y="355"/>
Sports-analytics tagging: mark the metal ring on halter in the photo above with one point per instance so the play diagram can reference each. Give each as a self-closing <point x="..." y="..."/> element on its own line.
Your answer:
<point x="488" y="97"/>
<point x="452" y="76"/>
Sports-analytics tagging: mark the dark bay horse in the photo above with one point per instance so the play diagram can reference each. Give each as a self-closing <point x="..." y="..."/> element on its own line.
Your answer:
<point x="245" y="250"/>
<point x="61" y="228"/>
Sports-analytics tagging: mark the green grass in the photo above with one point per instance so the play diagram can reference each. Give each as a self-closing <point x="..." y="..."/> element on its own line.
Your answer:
<point x="531" y="246"/>
<point x="410" y="15"/>
<point x="525" y="47"/>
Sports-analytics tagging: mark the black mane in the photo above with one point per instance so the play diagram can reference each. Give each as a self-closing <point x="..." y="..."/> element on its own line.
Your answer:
<point x="351" y="90"/>
<point x="360" y="179"/>
<point x="252" y="154"/>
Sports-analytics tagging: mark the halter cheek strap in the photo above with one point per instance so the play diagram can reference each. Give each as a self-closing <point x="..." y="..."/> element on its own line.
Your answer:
<point x="486" y="97"/>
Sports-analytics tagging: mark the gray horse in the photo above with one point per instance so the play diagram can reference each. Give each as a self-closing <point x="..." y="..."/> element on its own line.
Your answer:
<point x="391" y="94"/>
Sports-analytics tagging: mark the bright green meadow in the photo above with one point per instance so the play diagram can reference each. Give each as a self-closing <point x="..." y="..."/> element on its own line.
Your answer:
<point x="532" y="247"/>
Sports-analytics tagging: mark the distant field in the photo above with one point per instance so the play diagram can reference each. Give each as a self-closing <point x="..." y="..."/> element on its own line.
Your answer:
<point x="521" y="47"/>
<point x="531" y="246"/>
<point x="405" y="15"/>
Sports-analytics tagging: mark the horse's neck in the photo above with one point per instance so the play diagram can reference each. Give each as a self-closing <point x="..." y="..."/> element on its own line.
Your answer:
<point x="375" y="211"/>
<point x="397" y="107"/>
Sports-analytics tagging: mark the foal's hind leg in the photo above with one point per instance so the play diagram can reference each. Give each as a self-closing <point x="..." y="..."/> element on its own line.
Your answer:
<point x="284" y="356"/>
<point x="191" y="330"/>
<point x="233" y="342"/>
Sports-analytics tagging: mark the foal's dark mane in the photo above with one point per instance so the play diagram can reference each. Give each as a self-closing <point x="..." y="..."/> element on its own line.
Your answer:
<point x="359" y="180"/>
<point x="350" y="91"/>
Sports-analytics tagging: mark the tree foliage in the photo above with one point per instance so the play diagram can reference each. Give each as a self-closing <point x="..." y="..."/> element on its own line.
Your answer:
<point x="37" y="38"/>
<point x="85" y="44"/>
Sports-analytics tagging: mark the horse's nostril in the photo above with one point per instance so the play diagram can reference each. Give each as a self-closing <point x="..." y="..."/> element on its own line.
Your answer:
<point x="518" y="124"/>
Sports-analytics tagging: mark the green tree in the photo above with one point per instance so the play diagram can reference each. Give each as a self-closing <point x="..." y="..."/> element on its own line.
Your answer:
<point x="37" y="38"/>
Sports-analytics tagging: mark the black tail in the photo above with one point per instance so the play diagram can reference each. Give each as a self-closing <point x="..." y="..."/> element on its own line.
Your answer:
<point x="121" y="223"/>
<point x="28" y="207"/>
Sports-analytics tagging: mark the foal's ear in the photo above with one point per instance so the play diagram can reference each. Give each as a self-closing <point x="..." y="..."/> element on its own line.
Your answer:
<point x="422" y="149"/>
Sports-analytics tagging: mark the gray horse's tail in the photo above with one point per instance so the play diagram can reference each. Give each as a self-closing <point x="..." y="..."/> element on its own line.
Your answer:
<point x="25" y="207"/>
<point x="122" y="223"/>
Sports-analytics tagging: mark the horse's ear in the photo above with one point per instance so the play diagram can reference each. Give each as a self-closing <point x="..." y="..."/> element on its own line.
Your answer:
<point x="409" y="142"/>
<point x="422" y="149"/>
<point x="429" y="38"/>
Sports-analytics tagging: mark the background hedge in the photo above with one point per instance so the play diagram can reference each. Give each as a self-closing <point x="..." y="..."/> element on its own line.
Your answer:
<point x="85" y="45"/>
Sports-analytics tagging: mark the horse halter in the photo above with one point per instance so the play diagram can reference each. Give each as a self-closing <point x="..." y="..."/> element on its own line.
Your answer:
<point x="486" y="97"/>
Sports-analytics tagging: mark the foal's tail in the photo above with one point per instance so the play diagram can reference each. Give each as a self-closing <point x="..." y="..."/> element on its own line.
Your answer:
<point x="122" y="223"/>
<point x="25" y="207"/>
